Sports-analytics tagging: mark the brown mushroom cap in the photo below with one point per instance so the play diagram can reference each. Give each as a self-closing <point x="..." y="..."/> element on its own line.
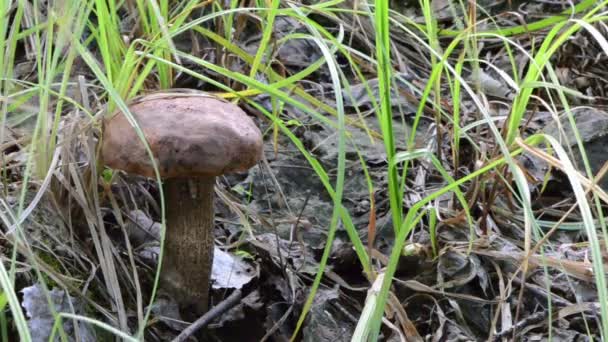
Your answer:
<point x="190" y="135"/>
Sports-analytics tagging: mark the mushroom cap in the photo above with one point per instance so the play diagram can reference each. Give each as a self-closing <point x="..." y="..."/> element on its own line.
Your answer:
<point x="191" y="134"/>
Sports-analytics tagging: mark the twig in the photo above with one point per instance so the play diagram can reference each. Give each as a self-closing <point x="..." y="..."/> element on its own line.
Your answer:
<point x="204" y="320"/>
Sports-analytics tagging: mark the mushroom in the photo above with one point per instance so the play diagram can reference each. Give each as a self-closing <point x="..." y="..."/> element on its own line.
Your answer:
<point x="194" y="137"/>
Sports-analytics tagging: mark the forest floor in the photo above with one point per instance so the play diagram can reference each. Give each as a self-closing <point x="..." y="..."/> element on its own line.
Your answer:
<point x="458" y="219"/>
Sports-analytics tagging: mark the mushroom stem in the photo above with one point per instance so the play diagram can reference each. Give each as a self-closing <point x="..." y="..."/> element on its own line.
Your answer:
<point x="189" y="239"/>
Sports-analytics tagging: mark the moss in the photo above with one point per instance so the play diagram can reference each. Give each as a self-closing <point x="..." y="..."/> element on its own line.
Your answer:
<point x="54" y="264"/>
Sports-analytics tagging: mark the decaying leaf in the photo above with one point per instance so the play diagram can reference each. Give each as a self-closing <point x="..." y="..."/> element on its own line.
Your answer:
<point x="41" y="319"/>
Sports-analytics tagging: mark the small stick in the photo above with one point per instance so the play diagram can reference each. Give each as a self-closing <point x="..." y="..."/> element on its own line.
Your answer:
<point x="204" y="320"/>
